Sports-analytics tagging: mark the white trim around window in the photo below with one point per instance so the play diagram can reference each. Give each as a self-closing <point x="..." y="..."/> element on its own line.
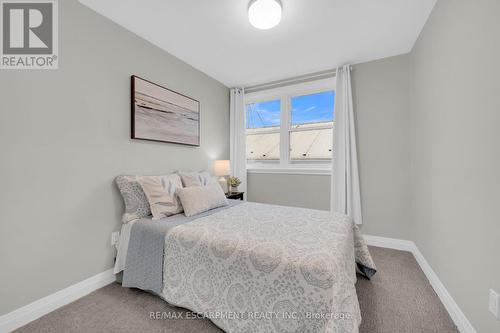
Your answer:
<point x="285" y="94"/>
<point x="291" y="171"/>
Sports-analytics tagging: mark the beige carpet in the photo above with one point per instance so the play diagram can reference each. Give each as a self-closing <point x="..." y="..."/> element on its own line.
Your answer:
<point x="399" y="299"/>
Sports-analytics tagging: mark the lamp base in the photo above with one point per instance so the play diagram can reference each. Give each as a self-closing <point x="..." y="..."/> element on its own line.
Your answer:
<point x="223" y="184"/>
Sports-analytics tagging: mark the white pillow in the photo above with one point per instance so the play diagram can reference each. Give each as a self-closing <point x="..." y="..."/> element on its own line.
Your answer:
<point x="161" y="194"/>
<point x="202" y="178"/>
<point x="199" y="199"/>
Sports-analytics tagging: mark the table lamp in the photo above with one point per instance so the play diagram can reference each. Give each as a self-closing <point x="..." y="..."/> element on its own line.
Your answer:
<point x="222" y="168"/>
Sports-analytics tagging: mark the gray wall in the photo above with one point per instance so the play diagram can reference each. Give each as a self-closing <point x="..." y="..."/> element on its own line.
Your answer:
<point x="381" y="97"/>
<point x="64" y="136"/>
<point x="309" y="191"/>
<point x="455" y="145"/>
<point x="381" y="100"/>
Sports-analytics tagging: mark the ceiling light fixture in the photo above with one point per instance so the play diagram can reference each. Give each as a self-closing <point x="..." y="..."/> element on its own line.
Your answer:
<point x="264" y="14"/>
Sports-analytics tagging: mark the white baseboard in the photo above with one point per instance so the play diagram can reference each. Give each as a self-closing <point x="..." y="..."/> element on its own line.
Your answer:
<point x="456" y="314"/>
<point x="459" y="318"/>
<point x="390" y="243"/>
<point x="41" y="307"/>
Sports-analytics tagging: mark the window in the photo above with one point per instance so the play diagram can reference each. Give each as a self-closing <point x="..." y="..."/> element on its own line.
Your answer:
<point x="291" y="127"/>
<point x="263" y="131"/>
<point x="311" y="128"/>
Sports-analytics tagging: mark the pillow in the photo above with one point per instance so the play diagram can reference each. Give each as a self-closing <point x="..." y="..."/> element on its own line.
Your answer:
<point x="136" y="202"/>
<point x="189" y="179"/>
<point x="160" y="191"/>
<point x="199" y="199"/>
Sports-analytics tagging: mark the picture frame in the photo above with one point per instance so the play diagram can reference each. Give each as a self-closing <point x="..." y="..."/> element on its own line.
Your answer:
<point x="163" y="115"/>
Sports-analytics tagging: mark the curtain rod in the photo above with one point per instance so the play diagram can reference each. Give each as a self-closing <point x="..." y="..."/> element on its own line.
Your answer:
<point x="294" y="80"/>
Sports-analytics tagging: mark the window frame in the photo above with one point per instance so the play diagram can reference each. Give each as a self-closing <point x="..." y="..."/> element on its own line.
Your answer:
<point x="267" y="131"/>
<point x="285" y="95"/>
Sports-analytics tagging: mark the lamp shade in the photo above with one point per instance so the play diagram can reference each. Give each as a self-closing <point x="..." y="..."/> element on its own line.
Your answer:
<point x="222" y="168"/>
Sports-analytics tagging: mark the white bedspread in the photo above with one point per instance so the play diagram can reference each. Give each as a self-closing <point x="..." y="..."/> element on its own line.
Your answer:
<point x="266" y="268"/>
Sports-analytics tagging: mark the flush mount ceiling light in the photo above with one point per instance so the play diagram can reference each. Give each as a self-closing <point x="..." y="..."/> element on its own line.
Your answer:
<point x="264" y="14"/>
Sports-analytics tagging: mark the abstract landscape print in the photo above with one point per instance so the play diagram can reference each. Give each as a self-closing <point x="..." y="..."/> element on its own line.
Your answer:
<point x="160" y="114"/>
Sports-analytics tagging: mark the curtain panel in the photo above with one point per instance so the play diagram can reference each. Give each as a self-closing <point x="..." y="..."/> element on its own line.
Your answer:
<point x="345" y="190"/>
<point x="237" y="134"/>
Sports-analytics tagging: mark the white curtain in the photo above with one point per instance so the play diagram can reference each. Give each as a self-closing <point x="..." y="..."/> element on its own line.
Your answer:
<point x="345" y="193"/>
<point x="238" y="137"/>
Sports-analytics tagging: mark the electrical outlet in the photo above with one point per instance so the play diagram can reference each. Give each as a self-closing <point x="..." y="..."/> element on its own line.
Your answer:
<point x="494" y="304"/>
<point x="115" y="237"/>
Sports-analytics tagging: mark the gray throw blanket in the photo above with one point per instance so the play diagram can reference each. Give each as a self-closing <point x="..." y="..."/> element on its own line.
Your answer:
<point x="144" y="264"/>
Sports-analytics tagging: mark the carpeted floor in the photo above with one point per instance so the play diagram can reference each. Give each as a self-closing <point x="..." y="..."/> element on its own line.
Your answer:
<point x="399" y="299"/>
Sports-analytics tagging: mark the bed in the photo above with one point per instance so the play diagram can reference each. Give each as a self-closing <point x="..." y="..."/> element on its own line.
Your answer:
<point x="252" y="267"/>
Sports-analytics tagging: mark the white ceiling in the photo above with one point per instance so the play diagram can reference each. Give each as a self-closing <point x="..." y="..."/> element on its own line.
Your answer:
<point x="215" y="36"/>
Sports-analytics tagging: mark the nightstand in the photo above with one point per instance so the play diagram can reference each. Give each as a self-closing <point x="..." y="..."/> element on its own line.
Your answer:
<point x="235" y="195"/>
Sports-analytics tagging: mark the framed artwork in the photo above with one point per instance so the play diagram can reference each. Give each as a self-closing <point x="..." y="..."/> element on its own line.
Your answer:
<point x="161" y="114"/>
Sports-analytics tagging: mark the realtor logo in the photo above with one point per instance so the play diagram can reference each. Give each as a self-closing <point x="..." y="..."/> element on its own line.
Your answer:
<point x="29" y="38"/>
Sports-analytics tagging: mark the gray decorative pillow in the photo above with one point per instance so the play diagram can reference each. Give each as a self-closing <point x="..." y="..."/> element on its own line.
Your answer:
<point x="199" y="199"/>
<point x="160" y="191"/>
<point x="189" y="179"/>
<point x="136" y="202"/>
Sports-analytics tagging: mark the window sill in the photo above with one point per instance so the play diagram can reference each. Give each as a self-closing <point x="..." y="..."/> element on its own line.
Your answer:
<point x="290" y="171"/>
